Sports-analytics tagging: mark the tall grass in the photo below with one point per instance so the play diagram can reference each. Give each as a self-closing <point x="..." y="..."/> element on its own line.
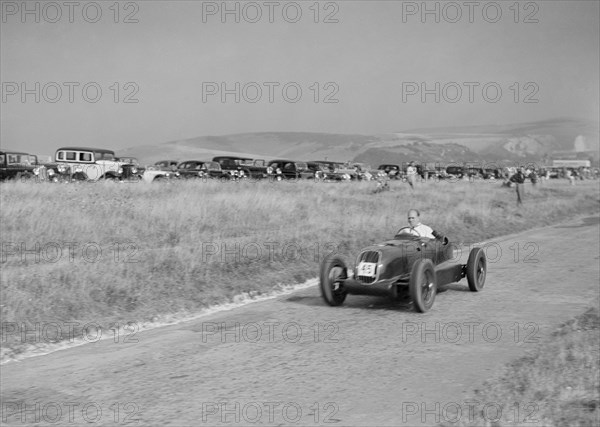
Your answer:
<point x="167" y="232"/>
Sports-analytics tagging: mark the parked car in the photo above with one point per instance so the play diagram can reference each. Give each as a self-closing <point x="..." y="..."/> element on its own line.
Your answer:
<point x="455" y="171"/>
<point x="319" y="171"/>
<point x="257" y="168"/>
<point x="365" y="172"/>
<point x="133" y="161"/>
<point x="232" y="166"/>
<point x="88" y="164"/>
<point x="347" y="170"/>
<point x="290" y="169"/>
<point x="492" y="173"/>
<point x="16" y="165"/>
<point x="335" y="171"/>
<point x="161" y="171"/>
<point x="164" y="165"/>
<point x="243" y="167"/>
<point x="392" y="171"/>
<point x="200" y="169"/>
<point x="429" y="171"/>
<point x="406" y="260"/>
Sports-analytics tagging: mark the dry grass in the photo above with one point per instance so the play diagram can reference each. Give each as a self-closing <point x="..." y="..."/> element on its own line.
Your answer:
<point x="171" y="227"/>
<point x="557" y="385"/>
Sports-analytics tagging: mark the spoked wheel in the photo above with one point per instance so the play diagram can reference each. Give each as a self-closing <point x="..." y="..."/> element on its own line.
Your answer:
<point x="332" y="275"/>
<point x="423" y="285"/>
<point x="476" y="269"/>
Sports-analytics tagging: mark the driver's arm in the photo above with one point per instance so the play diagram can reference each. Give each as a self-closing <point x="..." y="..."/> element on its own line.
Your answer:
<point x="438" y="236"/>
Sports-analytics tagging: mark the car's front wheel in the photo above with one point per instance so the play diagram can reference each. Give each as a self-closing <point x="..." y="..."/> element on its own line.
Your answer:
<point x="423" y="285"/>
<point x="476" y="269"/>
<point x="332" y="275"/>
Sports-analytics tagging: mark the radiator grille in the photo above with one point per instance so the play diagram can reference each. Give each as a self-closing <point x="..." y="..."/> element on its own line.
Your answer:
<point x="368" y="256"/>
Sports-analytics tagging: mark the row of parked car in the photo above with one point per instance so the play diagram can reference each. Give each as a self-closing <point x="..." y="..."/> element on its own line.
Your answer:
<point x="231" y="167"/>
<point x="93" y="164"/>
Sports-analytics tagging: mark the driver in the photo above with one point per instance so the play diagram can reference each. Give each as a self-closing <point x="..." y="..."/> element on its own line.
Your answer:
<point x="422" y="230"/>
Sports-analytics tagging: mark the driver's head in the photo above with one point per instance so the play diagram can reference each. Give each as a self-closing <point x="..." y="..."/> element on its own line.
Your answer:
<point x="414" y="217"/>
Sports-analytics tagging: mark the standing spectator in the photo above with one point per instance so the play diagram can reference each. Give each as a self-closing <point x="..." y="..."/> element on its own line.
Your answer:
<point x="411" y="174"/>
<point x="570" y="176"/>
<point x="519" y="179"/>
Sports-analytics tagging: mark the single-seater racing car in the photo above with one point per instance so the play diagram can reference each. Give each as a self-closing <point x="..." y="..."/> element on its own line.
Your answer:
<point x="421" y="263"/>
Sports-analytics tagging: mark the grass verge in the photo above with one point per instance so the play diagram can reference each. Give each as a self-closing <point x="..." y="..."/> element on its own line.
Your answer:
<point x="557" y="385"/>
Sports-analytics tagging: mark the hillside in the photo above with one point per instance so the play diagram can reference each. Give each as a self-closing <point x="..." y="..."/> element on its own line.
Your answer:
<point x="495" y="143"/>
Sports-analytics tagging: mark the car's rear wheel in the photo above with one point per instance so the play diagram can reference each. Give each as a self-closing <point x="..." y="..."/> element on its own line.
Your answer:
<point x="476" y="269"/>
<point x="332" y="275"/>
<point x="422" y="285"/>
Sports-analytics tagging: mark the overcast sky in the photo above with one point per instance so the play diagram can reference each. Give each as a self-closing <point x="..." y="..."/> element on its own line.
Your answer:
<point x="362" y="71"/>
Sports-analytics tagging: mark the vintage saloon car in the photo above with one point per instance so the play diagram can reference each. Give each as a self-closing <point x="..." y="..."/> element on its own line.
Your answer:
<point x="408" y="259"/>
<point x="290" y="169"/>
<point x="88" y="164"/>
<point x="16" y="165"/>
<point x="243" y="167"/>
<point x="393" y="171"/>
<point x="333" y="171"/>
<point x="365" y="172"/>
<point x="200" y="169"/>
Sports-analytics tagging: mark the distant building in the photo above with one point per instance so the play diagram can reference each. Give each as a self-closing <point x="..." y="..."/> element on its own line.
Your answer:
<point x="571" y="163"/>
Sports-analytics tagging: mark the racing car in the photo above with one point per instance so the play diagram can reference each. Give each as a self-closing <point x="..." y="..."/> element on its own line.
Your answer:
<point x="421" y="263"/>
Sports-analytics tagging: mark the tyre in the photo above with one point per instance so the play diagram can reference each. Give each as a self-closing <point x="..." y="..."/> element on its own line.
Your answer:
<point x="422" y="285"/>
<point x="476" y="269"/>
<point x="333" y="271"/>
<point x="160" y="178"/>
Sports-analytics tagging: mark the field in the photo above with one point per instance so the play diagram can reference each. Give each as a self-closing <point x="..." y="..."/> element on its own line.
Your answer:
<point x="133" y="252"/>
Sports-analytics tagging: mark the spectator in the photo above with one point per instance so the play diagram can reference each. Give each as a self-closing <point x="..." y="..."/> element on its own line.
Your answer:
<point x="570" y="176"/>
<point x="519" y="179"/>
<point x="411" y="174"/>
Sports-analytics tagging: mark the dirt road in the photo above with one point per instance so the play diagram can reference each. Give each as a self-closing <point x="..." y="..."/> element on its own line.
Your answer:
<point x="296" y="361"/>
